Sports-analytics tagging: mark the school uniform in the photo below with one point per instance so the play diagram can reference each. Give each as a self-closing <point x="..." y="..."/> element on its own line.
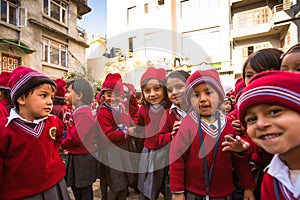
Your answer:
<point x="154" y="158"/>
<point x="114" y="122"/>
<point x="186" y="158"/>
<point x="30" y="163"/>
<point x="4" y="108"/>
<point x="80" y="144"/>
<point x="277" y="182"/>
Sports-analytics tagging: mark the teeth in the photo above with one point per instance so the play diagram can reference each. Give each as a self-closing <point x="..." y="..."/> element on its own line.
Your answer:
<point x="266" y="137"/>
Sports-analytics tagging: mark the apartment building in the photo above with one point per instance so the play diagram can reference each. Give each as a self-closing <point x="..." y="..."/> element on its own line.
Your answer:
<point x="43" y="34"/>
<point x="258" y="24"/>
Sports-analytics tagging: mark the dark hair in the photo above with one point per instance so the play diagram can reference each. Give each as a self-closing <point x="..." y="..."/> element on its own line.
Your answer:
<point x="7" y="96"/>
<point x="263" y="60"/>
<point x="138" y="94"/>
<point x="181" y="74"/>
<point x="59" y="101"/>
<point x="84" y="87"/>
<point x="293" y="49"/>
<point x="31" y="90"/>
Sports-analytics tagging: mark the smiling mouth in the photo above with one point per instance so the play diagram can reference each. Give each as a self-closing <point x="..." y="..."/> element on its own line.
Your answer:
<point x="270" y="136"/>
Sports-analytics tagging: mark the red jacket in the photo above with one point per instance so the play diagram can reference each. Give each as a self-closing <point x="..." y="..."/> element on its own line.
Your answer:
<point x="149" y="124"/>
<point x="4" y="108"/>
<point x="80" y="137"/>
<point x="113" y="124"/>
<point x="186" y="168"/>
<point x="29" y="160"/>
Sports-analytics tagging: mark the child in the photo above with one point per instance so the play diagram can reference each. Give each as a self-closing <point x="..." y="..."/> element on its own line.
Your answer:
<point x="79" y="141"/>
<point x="153" y="161"/>
<point x="196" y="147"/>
<point x="59" y="98"/>
<point x="269" y="109"/>
<point x="175" y="83"/>
<point x="290" y="59"/>
<point x="5" y="102"/>
<point x="116" y="124"/>
<point x="227" y="105"/>
<point x="31" y="167"/>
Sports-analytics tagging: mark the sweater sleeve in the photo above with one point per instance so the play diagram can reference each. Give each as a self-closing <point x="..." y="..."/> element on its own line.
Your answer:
<point x="163" y="137"/>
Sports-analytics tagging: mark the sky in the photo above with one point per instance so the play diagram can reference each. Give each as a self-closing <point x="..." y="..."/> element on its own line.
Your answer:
<point x="94" y="22"/>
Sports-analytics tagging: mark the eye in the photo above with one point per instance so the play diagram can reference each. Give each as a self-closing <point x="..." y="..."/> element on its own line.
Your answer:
<point x="194" y="95"/>
<point x="248" y="76"/>
<point x="169" y="90"/>
<point x="157" y="88"/>
<point x="146" y="91"/>
<point x="275" y="111"/>
<point x="251" y="119"/>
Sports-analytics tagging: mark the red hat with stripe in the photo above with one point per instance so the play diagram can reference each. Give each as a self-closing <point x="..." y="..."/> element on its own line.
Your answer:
<point x="271" y="87"/>
<point x="114" y="83"/>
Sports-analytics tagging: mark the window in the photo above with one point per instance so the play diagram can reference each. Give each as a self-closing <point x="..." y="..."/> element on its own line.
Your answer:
<point x="131" y="43"/>
<point x="55" y="52"/>
<point x="9" y="12"/>
<point x="247" y="51"/>
<point x="57" y="10"/>
<point x="130" y="14"/>
<point x="253" y="17"/>
<point x="9" y="62"/>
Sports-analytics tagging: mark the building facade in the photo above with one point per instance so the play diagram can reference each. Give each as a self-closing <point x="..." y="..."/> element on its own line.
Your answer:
<point x="43" y="35"/>
<point x="226" y="31"/>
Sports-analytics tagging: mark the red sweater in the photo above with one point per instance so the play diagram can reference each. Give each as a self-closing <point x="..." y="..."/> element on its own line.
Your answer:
<point x="268" y="190"/>
<point x="4" y="108"/>
<point x="29" y="158"/>
<point x="113" y="123"/>
<point x="186" y="168"/>
<point x="150" y="123"/>
<point x="80" y="138"/>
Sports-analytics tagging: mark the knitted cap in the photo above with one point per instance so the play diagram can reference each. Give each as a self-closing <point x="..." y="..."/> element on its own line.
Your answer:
<point x="23" y="79"/>
<point x="204" y="76"/>
<point x="4" y="78"/>
<point x="60" y="88"/>
<point x="153" y="73"/>
<point x="271" y="87"/>
<point x="113" y="82"/>
<point x="239" y="86"/>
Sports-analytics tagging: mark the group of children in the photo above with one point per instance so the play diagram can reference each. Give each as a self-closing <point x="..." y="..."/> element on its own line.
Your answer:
<point x="178" y="142"/>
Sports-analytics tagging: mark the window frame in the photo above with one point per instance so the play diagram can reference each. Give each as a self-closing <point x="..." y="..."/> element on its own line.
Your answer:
<point x="49" y="46"/>
<point x="63" y="7"/>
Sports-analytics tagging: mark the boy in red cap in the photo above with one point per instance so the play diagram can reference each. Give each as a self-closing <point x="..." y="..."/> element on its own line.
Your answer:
<point x="5" y="102"/>
<point x="59" y="98"/>
<point x="197" y="145"/>
<point x="269" y="109"/>
<point x="115" y="122"/>
<point x="29" y="141"/>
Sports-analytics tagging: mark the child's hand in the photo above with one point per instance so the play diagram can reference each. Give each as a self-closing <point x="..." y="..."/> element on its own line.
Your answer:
<point x="131" y="131"/>
<point x="175" y="128"/>
<point x="237" y="125"/>
<point x="249" y="194"/>
<point x="236" y="144"/>
<point x="179" y="196"/>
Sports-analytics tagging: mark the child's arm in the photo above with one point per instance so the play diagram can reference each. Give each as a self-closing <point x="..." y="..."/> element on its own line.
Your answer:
<point x="179" y="196"/>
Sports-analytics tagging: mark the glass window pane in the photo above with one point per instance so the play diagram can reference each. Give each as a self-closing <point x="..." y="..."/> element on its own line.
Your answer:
<point x="3" y="10"/>
<point x="64" y="59"/>
<point x="54" y="55"/>
<point x="55" y="11"/>
<point x="46" y="6"/>
<point x="12" y="15"/>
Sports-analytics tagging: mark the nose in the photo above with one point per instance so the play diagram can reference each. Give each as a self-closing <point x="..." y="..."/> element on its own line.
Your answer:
<point x="152" y="93"/>
<point x="262" y="122"/>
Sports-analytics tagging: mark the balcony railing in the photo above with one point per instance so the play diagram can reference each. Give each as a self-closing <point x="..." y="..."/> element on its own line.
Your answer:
<point x="281" y="7"/>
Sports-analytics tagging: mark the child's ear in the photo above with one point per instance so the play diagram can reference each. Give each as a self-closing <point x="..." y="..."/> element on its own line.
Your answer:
<point x="21" y="99"/>
<point x="79" y="96"/>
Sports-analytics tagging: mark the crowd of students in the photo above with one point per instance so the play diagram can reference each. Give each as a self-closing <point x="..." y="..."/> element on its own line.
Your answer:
<point x="185" y="138"/>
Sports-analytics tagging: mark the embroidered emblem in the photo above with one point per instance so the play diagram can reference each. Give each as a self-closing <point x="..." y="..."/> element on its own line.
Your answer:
<point x="52" y="133"/>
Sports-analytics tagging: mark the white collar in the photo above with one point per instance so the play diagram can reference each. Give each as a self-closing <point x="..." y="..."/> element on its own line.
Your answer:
<point x="14" y="115"/>
<point x="181" y="112"/>
<point x="278" y="169"/>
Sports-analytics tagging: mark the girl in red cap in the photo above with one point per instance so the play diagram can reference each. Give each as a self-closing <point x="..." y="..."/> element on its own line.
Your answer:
<point x="199" y="168"/>
<point x="116" y="124"/>
<point x="269" y="109"/>
<point x="30" y="137"/>
<point x="175" y="83"/>
<point x="80" y="140"/>
<point x="154" y="158"/>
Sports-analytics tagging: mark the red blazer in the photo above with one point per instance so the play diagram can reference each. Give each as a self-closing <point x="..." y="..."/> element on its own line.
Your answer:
<point x="29" y="160"/>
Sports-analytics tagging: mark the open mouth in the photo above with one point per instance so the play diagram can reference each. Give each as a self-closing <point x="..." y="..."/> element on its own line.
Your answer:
<point x="270" y="136"/>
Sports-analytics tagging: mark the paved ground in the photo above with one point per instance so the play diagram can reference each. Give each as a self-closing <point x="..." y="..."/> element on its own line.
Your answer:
<point x="97" y="193"/>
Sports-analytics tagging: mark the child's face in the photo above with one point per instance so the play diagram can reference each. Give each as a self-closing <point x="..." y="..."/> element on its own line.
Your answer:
<point x="112" y="98"/>
<point x="291" y="62"/>
<point x="37" y="104"/>
<point x="153" y="92"/>
<point x="226" y="106"/>
<point x="249" y="72"/>
<point x="204" y="99"/>
<point x="176" y="89"/>
<point x="274" y="128"/>
<point x="70" y="95"/>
